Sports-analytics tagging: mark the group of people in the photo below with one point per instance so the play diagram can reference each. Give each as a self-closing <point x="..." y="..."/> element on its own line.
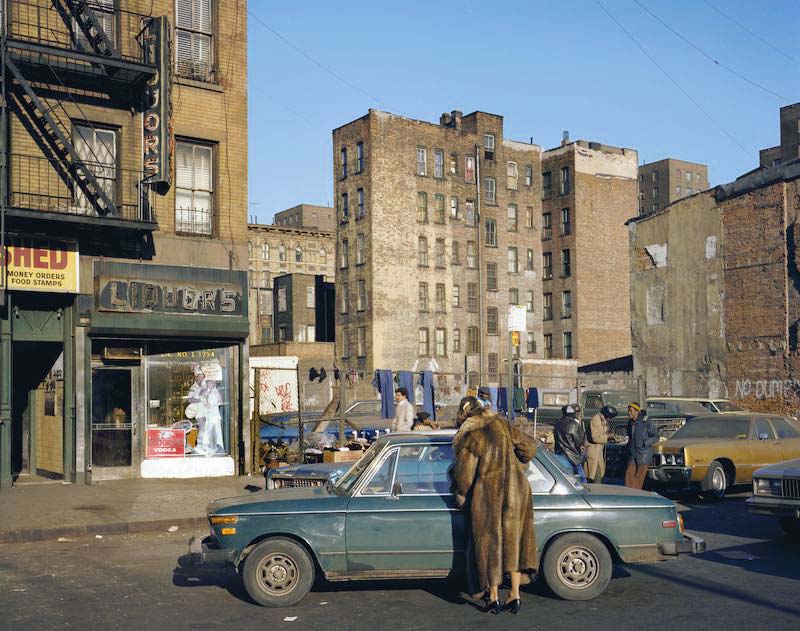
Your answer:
<point x="204" y="402"/>
<point x="583" y="452"/>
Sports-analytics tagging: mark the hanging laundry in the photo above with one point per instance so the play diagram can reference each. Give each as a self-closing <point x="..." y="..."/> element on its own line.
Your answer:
<point x="428" y="403"/>
<point x="502" y="401"/>
<point x="405" y="379"/>
<point x="532" y="401"/>
<point x="519" y="401"/>
<point x="384" y="384"/>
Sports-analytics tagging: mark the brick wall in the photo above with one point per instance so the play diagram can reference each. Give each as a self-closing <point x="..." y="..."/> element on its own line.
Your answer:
<point x="755" y="303"/>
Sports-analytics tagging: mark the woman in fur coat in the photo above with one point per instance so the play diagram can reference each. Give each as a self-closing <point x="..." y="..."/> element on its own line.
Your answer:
<point x="489" y="477"/>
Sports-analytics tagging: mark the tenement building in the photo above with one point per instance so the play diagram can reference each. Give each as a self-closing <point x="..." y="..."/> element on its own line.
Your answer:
<point x="307" y="216"/>
<point x="666" y="181"/>
<point x="277" y="250"/>
<point x="789" y="149"/>
<point x="588" y="193"/>
<point x="123" y="310"/>
<point x="438" y="233"/>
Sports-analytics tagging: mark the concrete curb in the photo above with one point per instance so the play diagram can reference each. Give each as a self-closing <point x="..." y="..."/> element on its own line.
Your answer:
<point x="28" y="535"/>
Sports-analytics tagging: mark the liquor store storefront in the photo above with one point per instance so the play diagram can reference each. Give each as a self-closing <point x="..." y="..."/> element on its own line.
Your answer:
<point x="161" y="354"/>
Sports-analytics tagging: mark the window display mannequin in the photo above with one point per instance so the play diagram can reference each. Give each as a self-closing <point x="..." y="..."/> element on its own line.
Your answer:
<point x="212" y="436"/>
<point x="196" y="397"/>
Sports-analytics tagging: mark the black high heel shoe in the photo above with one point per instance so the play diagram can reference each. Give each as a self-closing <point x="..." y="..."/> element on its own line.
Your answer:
<point x="494" y="607"/>
<point x="513" y="606"/>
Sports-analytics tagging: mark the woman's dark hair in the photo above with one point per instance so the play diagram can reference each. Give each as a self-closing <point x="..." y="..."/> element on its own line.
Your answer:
<point x="402" y="391"/>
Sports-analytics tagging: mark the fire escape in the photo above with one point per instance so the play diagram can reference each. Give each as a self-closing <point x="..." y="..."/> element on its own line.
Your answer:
<point x="60" y="58"/>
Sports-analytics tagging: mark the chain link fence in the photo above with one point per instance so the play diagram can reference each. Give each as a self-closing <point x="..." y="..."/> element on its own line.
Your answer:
<point x="296" y="409"/>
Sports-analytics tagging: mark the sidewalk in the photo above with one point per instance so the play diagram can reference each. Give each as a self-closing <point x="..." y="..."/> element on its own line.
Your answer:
<point x="48" y="511"/>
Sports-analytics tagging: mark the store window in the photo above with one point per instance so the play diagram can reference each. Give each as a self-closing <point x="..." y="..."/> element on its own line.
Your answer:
<point x="192" y="388"/>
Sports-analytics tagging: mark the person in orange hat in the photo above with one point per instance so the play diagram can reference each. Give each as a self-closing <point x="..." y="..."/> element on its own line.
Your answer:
<point x="642" y="435"/>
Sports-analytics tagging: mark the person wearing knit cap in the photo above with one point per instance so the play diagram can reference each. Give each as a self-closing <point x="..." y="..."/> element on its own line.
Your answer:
<point x="569" y="437"/>
<point x="642" y="435"/>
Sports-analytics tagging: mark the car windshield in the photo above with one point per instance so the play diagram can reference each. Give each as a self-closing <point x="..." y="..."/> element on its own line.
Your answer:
<point x="728" y="406"/>
<point x="346" y="482"/>
<point x="619" y="400"/>
<point x="714" y="428"/>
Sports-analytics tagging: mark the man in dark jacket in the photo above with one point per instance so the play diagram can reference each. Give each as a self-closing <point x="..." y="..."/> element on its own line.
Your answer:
<point x="569" y="437"/>
<point x="642" y="435"/>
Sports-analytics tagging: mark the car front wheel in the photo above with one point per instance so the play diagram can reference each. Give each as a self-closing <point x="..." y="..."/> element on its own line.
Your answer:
<point x="577" y="566"/>
<point x="278" y="573"/>
<point x="715" y="483"/>
<point x="790" y="526"/>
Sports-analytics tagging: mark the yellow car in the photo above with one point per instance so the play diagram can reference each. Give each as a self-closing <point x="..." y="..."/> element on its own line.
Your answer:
<point x="711" y="453"/>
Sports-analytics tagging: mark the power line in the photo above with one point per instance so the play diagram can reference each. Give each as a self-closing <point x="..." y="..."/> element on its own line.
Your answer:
<point x="754" y="34"/>
<point x="666" y="74"/>
<point x="707" y="56"/>
<point x="314" y="61"/>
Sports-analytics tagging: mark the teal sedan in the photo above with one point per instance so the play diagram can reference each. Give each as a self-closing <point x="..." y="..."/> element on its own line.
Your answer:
<point x="392" y="515"/>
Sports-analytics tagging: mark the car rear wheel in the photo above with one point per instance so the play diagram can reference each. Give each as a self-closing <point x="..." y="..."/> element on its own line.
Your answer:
<point x="577" y="566"/>
<point x="715" y="483"/>
<point x="278" y="573"/>
<point x="790" y="526"/>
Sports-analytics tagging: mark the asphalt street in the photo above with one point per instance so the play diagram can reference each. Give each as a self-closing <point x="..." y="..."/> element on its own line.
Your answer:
<point x="748" y="578"/>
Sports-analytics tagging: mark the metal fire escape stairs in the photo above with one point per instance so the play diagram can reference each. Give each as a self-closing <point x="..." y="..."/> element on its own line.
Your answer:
<point x="53" y="130"/>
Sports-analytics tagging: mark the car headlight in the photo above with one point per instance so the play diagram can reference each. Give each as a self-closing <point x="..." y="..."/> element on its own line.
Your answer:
<point x="767" y="486"/>
<point x="674" y="459"/>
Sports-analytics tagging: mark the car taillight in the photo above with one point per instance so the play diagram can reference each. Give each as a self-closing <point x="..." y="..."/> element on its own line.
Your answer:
<point x="669" y="523"/>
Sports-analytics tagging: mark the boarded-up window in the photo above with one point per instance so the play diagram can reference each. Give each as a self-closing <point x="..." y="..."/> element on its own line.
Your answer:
<point x="655" y="304"/>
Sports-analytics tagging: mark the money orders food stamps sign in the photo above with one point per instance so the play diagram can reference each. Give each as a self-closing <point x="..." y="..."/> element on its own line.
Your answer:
<point x="30" y="264"/>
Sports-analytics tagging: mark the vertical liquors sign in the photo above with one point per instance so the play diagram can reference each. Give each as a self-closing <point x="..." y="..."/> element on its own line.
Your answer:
<point x="156" y="122"/>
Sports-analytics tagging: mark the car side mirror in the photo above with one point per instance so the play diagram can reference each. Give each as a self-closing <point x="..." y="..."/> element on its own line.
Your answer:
<point x="763" y="436"/>
<point x="397" y="489"/>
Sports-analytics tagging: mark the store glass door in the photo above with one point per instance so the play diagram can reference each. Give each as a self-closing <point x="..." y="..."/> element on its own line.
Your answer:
<point x="115" y="440"/>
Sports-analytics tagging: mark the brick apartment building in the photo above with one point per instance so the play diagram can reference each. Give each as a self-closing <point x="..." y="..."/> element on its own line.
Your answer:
<point x="441" y="228"/>
<point x="789" y="149"/>
<point x="588" y="193"/>
<point x="438" y="233"/>
<point x="278" y="250"/>
<point x="125" y="213"/>
<point x="320" y="218"/>
<point x="666" y="181"/>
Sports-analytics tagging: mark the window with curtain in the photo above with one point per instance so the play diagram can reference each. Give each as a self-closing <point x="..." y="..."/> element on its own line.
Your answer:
<point x="422" y="252"/>
<point x="97" y="149"/>
<point x="194" y="210"/>
<point x="194" y="48"/>
<point x="104" y="12"/>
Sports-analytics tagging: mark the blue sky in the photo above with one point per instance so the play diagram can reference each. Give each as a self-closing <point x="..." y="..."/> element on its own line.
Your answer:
<point x="545" y="66"/>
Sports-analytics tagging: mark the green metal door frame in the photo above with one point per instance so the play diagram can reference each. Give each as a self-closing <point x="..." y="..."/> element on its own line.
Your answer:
<point x="6" y="374"/>
<point x="66" y="338"/>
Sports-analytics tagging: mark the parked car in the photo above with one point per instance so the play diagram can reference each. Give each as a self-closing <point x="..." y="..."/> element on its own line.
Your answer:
<point x="711" y="453"/>
<point x="305" y="475"/>
<point x="367" y="526"/>
<point x="694" y="406"/>
<point x="776" y="492"/>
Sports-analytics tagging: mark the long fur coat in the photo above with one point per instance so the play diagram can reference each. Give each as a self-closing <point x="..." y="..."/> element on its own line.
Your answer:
<point x="489" y="477"/>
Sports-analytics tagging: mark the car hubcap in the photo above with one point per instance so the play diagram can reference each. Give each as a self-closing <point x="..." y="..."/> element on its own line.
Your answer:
<point x="718" y="480"/>
<point x="278" y="574"/>
<point x="578" y="568"/>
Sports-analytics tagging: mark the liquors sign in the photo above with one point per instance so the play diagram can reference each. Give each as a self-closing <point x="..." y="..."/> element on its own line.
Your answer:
<point x="150" y="296"/>
<point x="156" y="122"/>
